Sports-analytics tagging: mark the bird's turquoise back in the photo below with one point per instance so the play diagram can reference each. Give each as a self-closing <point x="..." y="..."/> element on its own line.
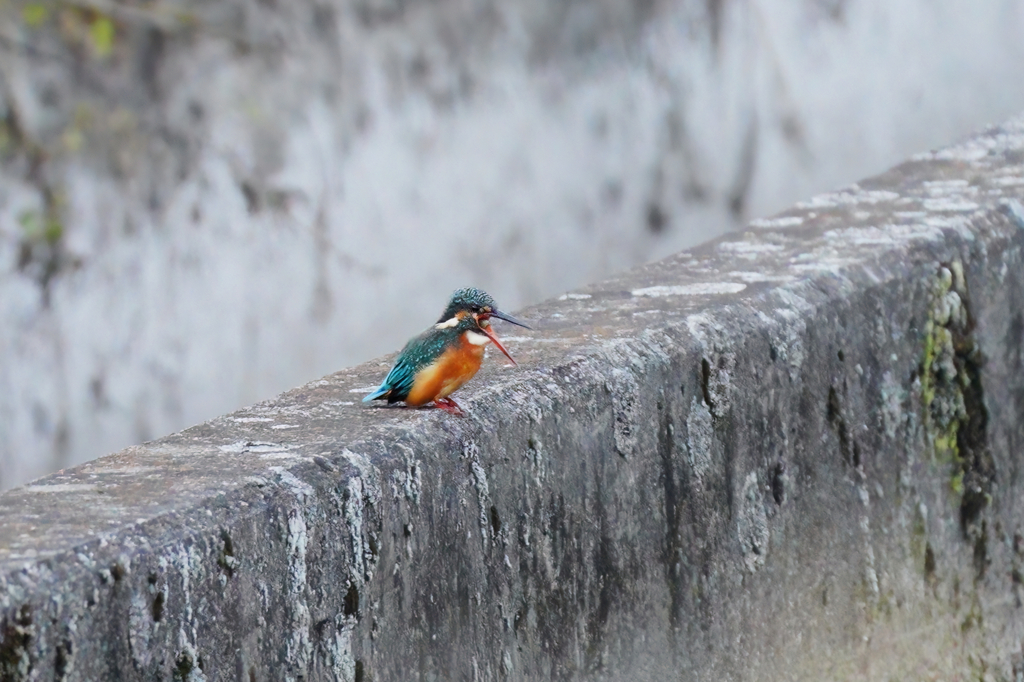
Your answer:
<point x="417" y="354"/>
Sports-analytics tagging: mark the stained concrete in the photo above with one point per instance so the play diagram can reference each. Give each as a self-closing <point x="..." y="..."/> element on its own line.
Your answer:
<point x="789" y="454"/>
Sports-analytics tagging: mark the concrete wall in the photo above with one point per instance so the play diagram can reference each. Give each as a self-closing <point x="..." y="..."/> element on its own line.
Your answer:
<point x="789" y="454"/>
<point x="205" y="203"/>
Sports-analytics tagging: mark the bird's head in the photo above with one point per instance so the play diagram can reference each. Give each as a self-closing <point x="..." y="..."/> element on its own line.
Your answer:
<point x="473" y="309"/>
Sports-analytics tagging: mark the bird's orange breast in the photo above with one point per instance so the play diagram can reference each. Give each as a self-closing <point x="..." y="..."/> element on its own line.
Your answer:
<point x="441" y="378"/>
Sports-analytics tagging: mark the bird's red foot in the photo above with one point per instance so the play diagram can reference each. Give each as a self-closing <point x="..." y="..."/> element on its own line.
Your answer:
<point x="449" y="405"/>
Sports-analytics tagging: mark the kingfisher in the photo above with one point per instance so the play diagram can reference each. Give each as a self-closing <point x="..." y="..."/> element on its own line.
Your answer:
<point x="445" y="356"/>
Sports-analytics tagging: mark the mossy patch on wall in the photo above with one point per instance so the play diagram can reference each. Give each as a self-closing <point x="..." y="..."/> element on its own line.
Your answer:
<point x="951" y="390"/>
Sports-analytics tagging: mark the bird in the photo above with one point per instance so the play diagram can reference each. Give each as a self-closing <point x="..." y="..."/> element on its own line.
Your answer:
<point x="446" y="355"/>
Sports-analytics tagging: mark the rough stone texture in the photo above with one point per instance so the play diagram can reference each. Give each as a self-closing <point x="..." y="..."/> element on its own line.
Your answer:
<point x="790" y="454"/>
<point x="223" y="199"/>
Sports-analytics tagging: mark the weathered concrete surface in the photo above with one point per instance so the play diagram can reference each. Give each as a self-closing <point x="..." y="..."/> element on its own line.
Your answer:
<point x="794" y="454"/>
<point x="196" y="196"/>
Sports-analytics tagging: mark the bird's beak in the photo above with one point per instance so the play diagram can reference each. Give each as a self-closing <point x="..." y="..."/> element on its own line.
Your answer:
<point x="508" y="318"/>
<point x="494" y="339"/>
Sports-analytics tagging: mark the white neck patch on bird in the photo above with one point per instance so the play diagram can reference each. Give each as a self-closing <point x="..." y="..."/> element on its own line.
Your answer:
<point x="475" y="338"/>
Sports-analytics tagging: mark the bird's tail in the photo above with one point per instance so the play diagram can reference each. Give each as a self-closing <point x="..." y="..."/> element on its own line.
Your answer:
<point x="379" y="393"/>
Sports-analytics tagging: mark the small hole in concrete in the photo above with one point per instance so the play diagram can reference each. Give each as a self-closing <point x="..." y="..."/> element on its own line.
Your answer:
<point x="779" y="483"/>
<point x="252" y="673"/>
<point x="772" y="353"/>
<point x="929" y="561"/>
<point x="495" y="520"/>
<point x="832" y="406"/>
<point x="158" y="607"/>
<point x="117" y="570"/>
<point x="351" y="606"/>
<point x="705" y="380"/>
<point x="360" y="672"/>
<point x="842" y="357"/>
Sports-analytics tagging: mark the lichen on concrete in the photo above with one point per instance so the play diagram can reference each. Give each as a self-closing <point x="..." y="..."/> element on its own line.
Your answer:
<point x="950" y="381"/>
<point x="942" y="390"/>
<point x="752" y="524"/>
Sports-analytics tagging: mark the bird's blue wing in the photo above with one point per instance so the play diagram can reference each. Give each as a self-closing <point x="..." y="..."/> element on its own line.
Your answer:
<point x="396" y="384"/>
<point x="417" y="354"/>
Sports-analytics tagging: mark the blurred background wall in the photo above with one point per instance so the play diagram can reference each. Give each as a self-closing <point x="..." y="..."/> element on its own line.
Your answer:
<point x="205" y="203"/>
